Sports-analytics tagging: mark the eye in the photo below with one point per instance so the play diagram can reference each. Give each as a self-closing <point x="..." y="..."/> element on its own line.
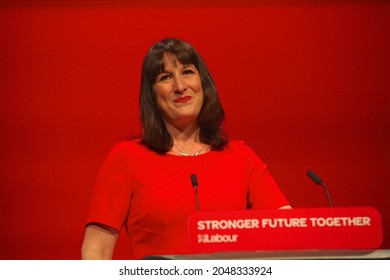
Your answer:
<point x="188" y="71"/>
<point x="163" y="77"/>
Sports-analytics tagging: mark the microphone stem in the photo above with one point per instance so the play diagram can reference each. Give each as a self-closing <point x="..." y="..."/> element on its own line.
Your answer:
<point x="196" y="198"/>
<point x="327" y="194"/>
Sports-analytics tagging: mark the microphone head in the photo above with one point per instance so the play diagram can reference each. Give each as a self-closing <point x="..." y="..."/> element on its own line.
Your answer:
<point x="314" y="177"/>
<point x="194" y="180"/>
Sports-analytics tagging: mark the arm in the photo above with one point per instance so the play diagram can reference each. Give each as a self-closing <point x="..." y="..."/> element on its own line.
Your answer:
<point x="264" y="193"/>
<point x="99" y="242"/>
<point x="109" y="205"/>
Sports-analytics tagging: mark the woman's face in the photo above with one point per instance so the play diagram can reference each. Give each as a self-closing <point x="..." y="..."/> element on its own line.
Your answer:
<point x="179" y="92"/>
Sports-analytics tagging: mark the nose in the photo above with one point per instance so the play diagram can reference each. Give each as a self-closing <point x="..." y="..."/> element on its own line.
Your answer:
<point x="180" y="85"/>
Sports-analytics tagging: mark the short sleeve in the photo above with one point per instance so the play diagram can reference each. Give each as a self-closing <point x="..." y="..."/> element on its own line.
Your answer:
<point x="263" y="191"/>
<point x="112" y="194"/>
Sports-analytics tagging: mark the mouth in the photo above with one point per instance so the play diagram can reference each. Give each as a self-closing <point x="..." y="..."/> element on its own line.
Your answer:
<point x="182" y="99"/>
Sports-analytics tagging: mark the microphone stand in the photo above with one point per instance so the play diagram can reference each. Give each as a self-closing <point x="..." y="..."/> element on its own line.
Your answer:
<point x="327" y="194"/>
<point x="194" y="182"/>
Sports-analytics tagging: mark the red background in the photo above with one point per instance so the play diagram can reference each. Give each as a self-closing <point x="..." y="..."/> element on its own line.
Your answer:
<point x="305" y="84"/>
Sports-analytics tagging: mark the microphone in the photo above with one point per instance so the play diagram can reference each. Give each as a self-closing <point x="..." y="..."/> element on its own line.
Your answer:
<point x="194" y="182"/>
<point x="319" y="182"/>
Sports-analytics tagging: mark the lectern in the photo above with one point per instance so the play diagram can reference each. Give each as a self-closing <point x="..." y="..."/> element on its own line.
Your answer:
<point x="308" y="233"/>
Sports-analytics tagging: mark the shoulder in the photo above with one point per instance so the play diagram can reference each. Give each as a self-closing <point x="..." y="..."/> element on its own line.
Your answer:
<point x="236" y="145"/>
<point x="127" y="145"/>
<point x="239" y="147"/>
<point x="130" y="147"/>
<point x="243" y="150"/>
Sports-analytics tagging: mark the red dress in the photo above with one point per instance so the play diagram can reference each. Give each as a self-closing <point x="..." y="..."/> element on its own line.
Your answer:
<point x="152" y="195"/>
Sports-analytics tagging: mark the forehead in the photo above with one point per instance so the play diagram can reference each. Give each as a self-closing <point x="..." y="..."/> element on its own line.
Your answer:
<point x="172" y="61"/>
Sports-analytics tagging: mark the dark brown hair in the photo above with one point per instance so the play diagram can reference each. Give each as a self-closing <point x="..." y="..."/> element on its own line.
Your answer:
<point x="210" y="120"/>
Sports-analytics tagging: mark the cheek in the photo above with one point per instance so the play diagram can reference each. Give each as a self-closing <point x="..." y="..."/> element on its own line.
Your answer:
<point x="162" y="101"/>
<point x="201" y="103"/>
<point x="161" y="94"/>
<point x="201" y="92"/>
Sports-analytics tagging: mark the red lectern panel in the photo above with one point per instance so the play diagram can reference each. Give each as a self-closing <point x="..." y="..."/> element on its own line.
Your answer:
<point x="296" y="229"/>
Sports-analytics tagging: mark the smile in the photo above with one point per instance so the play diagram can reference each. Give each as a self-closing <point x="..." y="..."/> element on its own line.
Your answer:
<point x="182" y="99"/>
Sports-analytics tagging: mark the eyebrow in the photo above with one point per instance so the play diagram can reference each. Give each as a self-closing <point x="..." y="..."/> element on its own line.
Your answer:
<point x="184" y="66"/>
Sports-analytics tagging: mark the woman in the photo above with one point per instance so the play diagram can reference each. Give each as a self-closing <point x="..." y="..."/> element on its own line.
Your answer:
<point x="145" y="184"/>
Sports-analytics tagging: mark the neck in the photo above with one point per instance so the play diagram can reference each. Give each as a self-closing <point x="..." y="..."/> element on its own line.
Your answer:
<point x="188" y="134"/>
<point x="186" y="141"/>
<point x="183" y="153"/>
